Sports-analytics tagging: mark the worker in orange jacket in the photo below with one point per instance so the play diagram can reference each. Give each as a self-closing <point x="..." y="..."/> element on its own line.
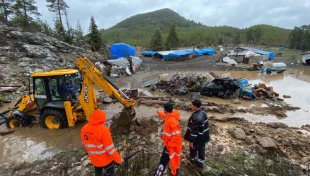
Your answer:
<point x="172" y="139"/>
<point x="97" y="141"/>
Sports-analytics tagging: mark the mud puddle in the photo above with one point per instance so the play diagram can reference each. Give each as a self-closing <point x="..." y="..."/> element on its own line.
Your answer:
<point x="30" y="144"/>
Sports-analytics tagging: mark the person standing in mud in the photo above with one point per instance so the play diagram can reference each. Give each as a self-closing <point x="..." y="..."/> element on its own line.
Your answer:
<point x="172" y="139"/>
<point x="197" y="134"/>
<point x="97" y="141"/>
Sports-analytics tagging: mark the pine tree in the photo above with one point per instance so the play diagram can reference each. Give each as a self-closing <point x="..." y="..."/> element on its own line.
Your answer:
<point x="79" y="35"/>
<point x="172" y="39"/>
<point x="59" y="7"/>
<point x="59" y="29"/>
<point x="5" y="9"/>
<point x="156" y="41"/>
<point x="45" y="28"/>
<point x="23" y="11"/>
<point x="94" y="39"/>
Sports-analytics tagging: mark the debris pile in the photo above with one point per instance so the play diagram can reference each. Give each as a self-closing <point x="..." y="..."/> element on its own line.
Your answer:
<point x="275" y="137"/>
<point x="178" y="85"/>
<point x="221" y="87"/>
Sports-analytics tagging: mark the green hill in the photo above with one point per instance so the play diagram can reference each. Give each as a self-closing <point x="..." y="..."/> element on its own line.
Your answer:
<point x="273" y="35"/>
<point x="138" y="30"/>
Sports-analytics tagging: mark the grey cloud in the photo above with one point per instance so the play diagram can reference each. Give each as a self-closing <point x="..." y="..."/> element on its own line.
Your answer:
<point x="238" y="13"/>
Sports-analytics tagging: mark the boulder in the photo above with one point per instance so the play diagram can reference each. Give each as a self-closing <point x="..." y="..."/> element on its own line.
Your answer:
<point x="267" y="142"/>
<point x="306" y="160"/>
<point x="238" y="133"/>
<point x="249" y="140"/>
<point x="277" y="125"/>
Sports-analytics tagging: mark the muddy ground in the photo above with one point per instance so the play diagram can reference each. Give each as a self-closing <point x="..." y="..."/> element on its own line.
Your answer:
<point x="247" y="137"/>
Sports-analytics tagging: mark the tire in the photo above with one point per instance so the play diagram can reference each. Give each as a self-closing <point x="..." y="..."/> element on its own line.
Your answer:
<point x="53" y="119"/>
<point x="18" y="121"/>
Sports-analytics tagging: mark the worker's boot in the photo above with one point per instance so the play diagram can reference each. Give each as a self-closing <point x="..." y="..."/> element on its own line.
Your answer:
<point x="199" y="163"/>
<point x="192" y="160"/>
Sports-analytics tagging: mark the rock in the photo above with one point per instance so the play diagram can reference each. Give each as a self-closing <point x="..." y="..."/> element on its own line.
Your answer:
<point x="220" y="148"/>
<point x="78" y="168"/>
<point x="238" y="133"/>
<point x="287" y="96"/>
<point x="38" y="51"/>
<point x="86" y="162"/>
<point x="107" y="100"/>
<point x="23" y="64"/>
<point x="277" y="125"/>
<point x="304" y="167"/>
<point x="306" y="160"/>
<point x="267" y="142"/>
<point x="270" y="174"/>
<point x="236" y="101"/>
<point x="268" y="162"/>
<point x="249" y="140"/>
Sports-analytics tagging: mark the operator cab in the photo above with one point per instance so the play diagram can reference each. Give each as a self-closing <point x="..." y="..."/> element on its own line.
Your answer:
<point x="53" y="88"/>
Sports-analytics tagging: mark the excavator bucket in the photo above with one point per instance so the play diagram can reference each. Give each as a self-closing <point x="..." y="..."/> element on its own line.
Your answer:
<point x="122" y="121"/>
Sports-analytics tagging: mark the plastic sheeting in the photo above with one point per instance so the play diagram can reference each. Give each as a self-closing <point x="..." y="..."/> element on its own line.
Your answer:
<point x="149" y="53"/>
<point x="229" y="61"/>
<point x="119" y="50"/>
<point x="205" y="51"/>
<point x="221" y="87"/>
<point x="123" y="62"/>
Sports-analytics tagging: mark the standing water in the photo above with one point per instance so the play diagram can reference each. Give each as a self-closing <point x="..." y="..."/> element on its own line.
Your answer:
<point x="295" y="83"/>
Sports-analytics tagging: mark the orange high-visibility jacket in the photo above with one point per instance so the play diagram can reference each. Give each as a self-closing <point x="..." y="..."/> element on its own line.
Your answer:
<point x="172" y="138"/>
<point x="97" y="141"/>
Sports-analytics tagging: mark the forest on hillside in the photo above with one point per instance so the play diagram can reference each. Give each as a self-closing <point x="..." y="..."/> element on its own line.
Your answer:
<point x="139" y="29"/>
<point x="143" y="29"/>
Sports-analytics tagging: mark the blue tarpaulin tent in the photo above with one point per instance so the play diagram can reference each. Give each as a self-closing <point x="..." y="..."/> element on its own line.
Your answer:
<point x="181" y="53"/>
<point x="149" y="53"/>
<point x="263" y="52"/>
<point x="205" y="51"/>
<point x="119" y="50"/>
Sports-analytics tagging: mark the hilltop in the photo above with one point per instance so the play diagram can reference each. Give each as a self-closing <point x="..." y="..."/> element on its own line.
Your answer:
<point x="138" y="30"/>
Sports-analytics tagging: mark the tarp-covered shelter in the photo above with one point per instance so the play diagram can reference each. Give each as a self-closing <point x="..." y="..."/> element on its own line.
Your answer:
<point x="149" y="53"/>
<point x="306" y="57"/>
<point x="205" y="51"/>
<point x="121" y="50"/>
<point x="177" y="54"/>
<point x="270" y="54"/>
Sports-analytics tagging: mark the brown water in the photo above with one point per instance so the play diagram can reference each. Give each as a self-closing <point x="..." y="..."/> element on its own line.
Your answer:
<point x="29" y="144"/>
<point x="295" y="83"/>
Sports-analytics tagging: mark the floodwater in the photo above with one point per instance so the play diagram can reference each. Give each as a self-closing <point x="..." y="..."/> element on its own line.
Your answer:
<point x="29" y="144"/>
<point x="295" y="83"/>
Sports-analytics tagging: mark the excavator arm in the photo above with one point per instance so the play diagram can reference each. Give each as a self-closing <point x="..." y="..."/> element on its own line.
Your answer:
<point x="92" y="76"/>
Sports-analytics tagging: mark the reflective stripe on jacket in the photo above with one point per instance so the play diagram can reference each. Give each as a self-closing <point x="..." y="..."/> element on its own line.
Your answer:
<point x="198" y="128"/>
<point x="97" y="141"/>
<point x="172" y="138"/>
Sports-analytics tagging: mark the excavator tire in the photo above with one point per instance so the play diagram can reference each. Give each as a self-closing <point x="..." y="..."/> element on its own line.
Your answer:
<point x="53" y="119"/>
<point x="18" y="121"/>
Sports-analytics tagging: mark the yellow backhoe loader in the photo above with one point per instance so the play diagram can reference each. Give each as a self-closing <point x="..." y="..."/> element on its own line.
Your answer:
<point x="63" y="97"/>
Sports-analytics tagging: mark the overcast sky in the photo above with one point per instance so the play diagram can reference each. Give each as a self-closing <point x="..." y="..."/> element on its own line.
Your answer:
<point x="237" y="13"/>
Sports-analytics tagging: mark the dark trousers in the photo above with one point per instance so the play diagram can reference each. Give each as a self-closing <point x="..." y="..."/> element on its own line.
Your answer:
<point x="108" y="170"/>
<point x="164" y="160"/>
<point x="200" y="149"/>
